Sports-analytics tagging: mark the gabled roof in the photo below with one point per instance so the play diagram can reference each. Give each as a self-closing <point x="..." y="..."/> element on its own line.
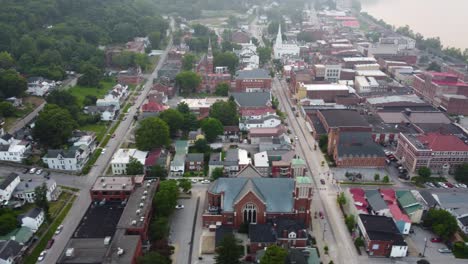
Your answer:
<point x="8" y="180"/>
<point x="252" y="99"/>
<point x="249" y="187"/>
<point x="33" y="213"/>
<point x="262" y="233"/>
<point x="439" y="142"/>
<point x="375" y="200"/>
<point x="382" y="228"/>
<point x="406" y="198"/>
<point x="358" y="144"/>
<point x="9" y="249"/>
<point x="253" y="74"/>
<point x="249" y="171"/>
<point x="195" y="157"/>
<point x="428" y="198"/>
<point x="65" y="153"/>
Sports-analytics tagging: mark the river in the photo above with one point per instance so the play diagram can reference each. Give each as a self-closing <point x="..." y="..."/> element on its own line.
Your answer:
<point x="446" y="19"/>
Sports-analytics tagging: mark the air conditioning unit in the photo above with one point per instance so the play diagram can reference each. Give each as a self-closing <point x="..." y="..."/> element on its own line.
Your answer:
<point x="138" y="211"/>
<point x="70" y="252"/>
<point x="134" y="222"/>
<point x="141" y="205"/>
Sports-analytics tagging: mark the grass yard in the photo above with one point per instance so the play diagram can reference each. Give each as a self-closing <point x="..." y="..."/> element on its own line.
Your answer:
<point x="81" y="92"/>
<point x="98" y="128"/>
<point x="54" y="207"/>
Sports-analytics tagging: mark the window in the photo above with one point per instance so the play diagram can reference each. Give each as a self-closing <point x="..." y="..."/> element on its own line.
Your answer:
<point x="375" y="247"/>
<point x="250" y="213"/>
<point x="292" y="235"/>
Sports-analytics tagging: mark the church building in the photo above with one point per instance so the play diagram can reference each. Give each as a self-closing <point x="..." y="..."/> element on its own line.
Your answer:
<point x="281" y="49"/>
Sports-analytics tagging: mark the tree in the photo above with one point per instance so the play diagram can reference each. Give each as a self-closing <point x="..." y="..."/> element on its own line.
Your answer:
<point x="185" y="184"/>
<point x="152" y="132"/>
<point x="188" y="61"/>
<point x="134" y="167"/>
<point x="201" y="146"/>
<point x="157" y="171"/>
<point x="377" y="177"/>
<point x="11" y="83"/>
<point x="217" y="173"/>
<point x="386" y="179"/>
<point x="174" y="119"/>
<point x="188" y="82"/>
<point x="8" y="222"/>
<point x="154" y="257"/>
<point x="54" y="126"/>
<point x="229" y="251"/>
<point x="212" y="128"/>
<point x="7" y="109"/>
<point x="461" y="173"/>
<point x="66" y="100"/>
<point x="40" y="199"/>
<point x="159" y="228"/>
<point x="222" y="89"/>
<point x="226" y="112"/>
<point x="264" y="54"/>
<point x="423" y="261"/>
<point x="155" y="39"/>
<point x="165" y="199"/>
<point x="183" y="108"/>
<point x="6" y="60"/>
<point x="424" y="172"/>
<point x="228" y="59"/>
<point x="341" y="199"/>
<point x="142" y="61"/>
<point x="323" y="143"/>
<point x="442" y="223"/>
<point x="274" y="255"/>
<point x="434" y="66"/>
<point x="91" y="75"/>
<point x="350" y="222"/>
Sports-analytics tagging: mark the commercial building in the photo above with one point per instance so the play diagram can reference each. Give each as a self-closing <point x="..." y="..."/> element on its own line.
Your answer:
<point x="201" y="107"/>
<point x="252" y="80"/>
<point x="326" y="92"/>
<point x="358" y="149"/>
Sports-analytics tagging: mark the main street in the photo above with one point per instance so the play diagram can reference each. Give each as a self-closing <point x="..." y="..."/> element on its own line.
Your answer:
<point x="83" y="201"/>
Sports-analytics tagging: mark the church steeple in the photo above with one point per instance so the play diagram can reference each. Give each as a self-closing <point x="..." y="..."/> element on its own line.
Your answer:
<point x="209" y="58"/>
<point x="279" y="37"/>
<point x="210" y="51"/>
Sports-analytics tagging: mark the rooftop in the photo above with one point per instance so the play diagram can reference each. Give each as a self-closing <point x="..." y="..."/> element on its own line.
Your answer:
<point x="253" y="74"/>
<point x="382" y="228"/>
<point x="359" y="59"/>
<point x="5" y="182"/>
<point x="452" y="200"/>
<point x="258" y="99"/>
<point x="261" y="159"/>
<point x="122" y="156"/>
<point x="196" y="103"/>
<point x="115" y="183"/>
<point x="374" y="73"/>
<point x="326" y="87"/>
<point x="344" y="118"/>
<point x="358" y="144"/>
<point x="99" y="221"/>
<point x="375" y="200"/>
<point x="440" y="142"/>
<point x="409" y="98"/>
<point x="195" y="157"/>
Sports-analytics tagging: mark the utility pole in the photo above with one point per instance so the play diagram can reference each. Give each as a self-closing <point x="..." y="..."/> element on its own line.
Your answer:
<point x="425" y="245"/>
<point x="324" y="230"/>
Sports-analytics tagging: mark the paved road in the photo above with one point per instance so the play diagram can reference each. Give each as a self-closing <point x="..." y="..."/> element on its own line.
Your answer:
<point x="21" y="123"/>
<point x="83" y="201"/>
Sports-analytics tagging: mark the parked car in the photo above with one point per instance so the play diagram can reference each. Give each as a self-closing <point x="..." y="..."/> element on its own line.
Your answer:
<point x="463" y="185"/>
<point x="32" y="170"/>
<point x="322" y="181"/>
<point x="436" y="240"/>
<point x="436" y="184"/>
<point x="449" y="185"/>
<point x="50" y="243"/>
<point x="103" y="151"/>
<point x="444" y="250"/>
<point x="179" y="206"/>
<point x="194" y="181"/>
<point x="42" y="256"/>
<point x="39" y="172"/>
<point x="26" y="170"/>
<point x="205" y="181"/>
<point x="59" y="229"/>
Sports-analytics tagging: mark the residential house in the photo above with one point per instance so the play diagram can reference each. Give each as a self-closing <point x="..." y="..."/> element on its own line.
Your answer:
<point x="257" y="134"/>
<point x="38" y="86"/>
<point x="12" y="149"/>
<point x="131" y="76"/>
<point x="381" y="236"/>
<point x="216" y="161"/>
<point x="240" y="37"/>
<point x="151" y="109"/>
<point x="425" y="199"/>
<point x="114" y="97"/>
<point x="7" y="186"/>
<point x="235" y="161"/>
<point x="33" y="219"/>
<point x="178" y="165"/>
<point x="26" y="189"/>
<point x="16" y="102"/>
<point x="283" y="142"/>
<point x="261" y="163"/>
<point x="402" y="221"/>
<point x="107" y="113"/>
<point x="193" y="136"/>
<point x="194" y="162"/>
<point x="268" y="121"/>
<point x="71" y="159"/>
<point x="9" y="251"/>
<point x="85" y="140"/>
<point x="157" y="157"/>
<point x="21" y="235"/>
<point x="377" y="205"/>
<point x="410" y="205"/>
<point x="357" y="202"/>
<point x="455" y="203"/>
<point x="122" y="158"/>
<point x="201" y="107"/>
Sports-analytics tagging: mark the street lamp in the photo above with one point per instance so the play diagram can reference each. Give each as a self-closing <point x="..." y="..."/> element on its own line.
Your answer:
<point x="425" y="245"/>
<point x="324" y="229"/>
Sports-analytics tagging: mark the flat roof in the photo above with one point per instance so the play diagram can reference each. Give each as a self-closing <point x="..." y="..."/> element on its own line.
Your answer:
<point x="261" y="159"/>
<point x="122" y="156"/>
<point x="357" y="59"/>
<point x="195" y="103"/>
<point x="344" y="118"/>
<point x="375" y="73"/>
<point x="326" y="87"/>
<point x="108" y="183"/>
<point x="99" y="221"/>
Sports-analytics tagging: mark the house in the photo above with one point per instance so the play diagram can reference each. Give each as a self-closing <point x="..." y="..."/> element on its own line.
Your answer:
<point x="26" y="189"/>
<point x="258" y="200"/>
<point x="410" y="205"/>
<point x="235" y="161"/>
<point x="122" y="158"/>
<point x="39" y="86"/>
<point x="358" y="149"/>
<point x="85" y="140"/>
<point x="261" y="163"/>
<point x="377" y="205"/>
<point x="157" y="157"/>
<point x="107" y="113"/>
<point x="21" y="235"/>
<point x="381" y="236"/>
<point x="240" y="37"/>
<point x="201" y="107"/>
<point x="357" y="202"/>
<point x="151" y="108"/>
<point x="252" y="80"/>
<point x="114" y="97"/>
<point x="178" y="165"/>
<point x="402" y="221"/>
<point x="71" y="159"/>
<point x="33" y="219"/>
<point x="257" y="134"/>
<point x="194" y="162"/>
<point x="12" y="149"/>
<point x="215" y="162"/>
<point x="9" y="251"/>
<point x="16" y="102"/>
<point x="193" y="136"/>
<point x="268" y="121"/>
<point x="131" y="76"/>
<point x="455" y="203"/>
<point x="425" y="199"/>
<point x="7" y="186"/>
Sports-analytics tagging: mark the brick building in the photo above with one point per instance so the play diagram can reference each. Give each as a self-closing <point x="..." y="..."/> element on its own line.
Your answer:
<point x="441" y="153"/>
<point x="116" y="188"/>
<point x="358" y="149"/>
<point x="235" y="201"/>
<point x="304" y="76"/>
<point x="240" y="37"/>
<point x="326" y="92"/>
<point x="254" y="80"/>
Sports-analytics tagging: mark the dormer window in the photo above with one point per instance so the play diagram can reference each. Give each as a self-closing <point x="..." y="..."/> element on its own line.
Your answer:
<point x="292" y="235"/>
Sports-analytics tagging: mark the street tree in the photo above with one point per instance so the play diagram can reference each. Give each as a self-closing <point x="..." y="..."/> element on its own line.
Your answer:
<point x="185" y="185"/>
<point x="222" y="89"/>
<point x="134" y="167"/>
<point x="40" y="199"/>
<point x="461" y="173"/>
<point x="226" y="112"/>
<point x="11" y="83"/>
<point x="212" y="128"/>
<point x="217" y="173"/>
<point x="386" y="179"/>
<point x="165" y="199"/>
<point x="188" y="82"/>
<point x="341" y="199"/>
<point x="8" y="221"/>
<point x="227" y="59"/>
<point x="377" y="177"/>
<point x="442" y="223"/>
<point x="350" y="222"/>
<point x="153" y="257"/>
<point x="157" y="171"/>
<point x="188" y="61"/>
<point x="229" y="251"/>
<point x="274" y="255"/>
<point x="159" y="228"/>
<point x="152" y="132"/>
<point x="264" y="54"/>
<point x="424" y="172"/>
<point x="174" y="119"/>
<point x="54" y="126"/>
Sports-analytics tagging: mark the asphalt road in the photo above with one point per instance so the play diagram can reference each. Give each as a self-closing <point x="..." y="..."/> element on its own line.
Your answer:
<point x="83" y="201"/>
<point x="21" y="123"/>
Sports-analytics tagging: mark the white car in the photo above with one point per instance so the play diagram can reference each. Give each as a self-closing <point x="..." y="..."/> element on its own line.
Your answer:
<point x="179" y="206"/>
<point x="462" y="185"/>
<point x="205" y="181"/>
<point x="42" y="256"/>
<point x="59" y="229"/>
<point x="32" y="170"/>
<point x="194" y="181"/>
<point x="39" y="171"/>
<point x="103" y="151"/>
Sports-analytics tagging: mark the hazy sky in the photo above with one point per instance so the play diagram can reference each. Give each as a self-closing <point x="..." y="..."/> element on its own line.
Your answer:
<point x="447" y="19"/>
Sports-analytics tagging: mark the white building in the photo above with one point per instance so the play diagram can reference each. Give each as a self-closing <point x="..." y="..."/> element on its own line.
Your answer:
<point x="371" y="66"/>
<point x="15" y="150"/>
<point x="25" y="190"/>
<point x="365" y="84"/>
<point x="39" y="86"/>
<point x="281" y="49"/>
<point x="402" y="42"/>
<point x="7" y="186"/>
<point x="332" y="72"/>
<point x="72" y="159"/>
<point x="123" y="156"/>
<point x="267" y="121"/>
<point x="178" y="165"/>
<point x="261" y="163"/>
<point x="33" y="219"/>
<point x="115" y="97"/>
<point x="244" y="159"/>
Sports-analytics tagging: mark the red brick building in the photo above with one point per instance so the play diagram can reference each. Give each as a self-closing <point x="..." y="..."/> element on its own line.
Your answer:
<point x="210" y="78"/>
<point x="358" y="149"/>
<point x="130" y="77"/>
<point x="255" y="80"/>
<point x="240" y="37"/>
<point x="305" y="76"/>
<point x="236" y="201"/>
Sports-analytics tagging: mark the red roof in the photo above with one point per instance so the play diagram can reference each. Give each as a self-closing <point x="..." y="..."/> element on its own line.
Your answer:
<point x="350" y="23"/>
<point x="153" y="107"/>
<point x="388" y="195"/>
<point x="359" y="197"/>
<point x="398" y="214"/>
<point x="256" y="112"/>
<point x="153" y="157"/>
<point x="440" y="142"/>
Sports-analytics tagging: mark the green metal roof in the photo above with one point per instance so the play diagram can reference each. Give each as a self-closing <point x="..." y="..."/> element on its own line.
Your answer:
<point x="20" y="235"/>
<point x="303" y="180"/>
<point x="406" y="198"/>
<point x="297" y="162"/>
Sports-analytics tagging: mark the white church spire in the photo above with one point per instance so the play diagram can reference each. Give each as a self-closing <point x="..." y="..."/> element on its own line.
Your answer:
<point x="279" y="37"/>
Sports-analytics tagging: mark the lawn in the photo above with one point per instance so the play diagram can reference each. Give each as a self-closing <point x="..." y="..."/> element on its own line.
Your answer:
<point x="54" y="207"/>
<point x="98" y="128"/>
<point x="81" y="92"/>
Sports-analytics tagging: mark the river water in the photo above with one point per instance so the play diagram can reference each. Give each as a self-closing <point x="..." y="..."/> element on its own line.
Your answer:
<point x="447" y="19"/>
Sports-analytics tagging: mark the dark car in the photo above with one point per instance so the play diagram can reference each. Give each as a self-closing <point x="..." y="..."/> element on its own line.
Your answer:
<point x="322" y="181"/>
<point x="50" y="243"/>
<point x="25" y="171"/>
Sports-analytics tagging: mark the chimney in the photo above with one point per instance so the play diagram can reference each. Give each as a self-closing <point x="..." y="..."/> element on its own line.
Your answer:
<point x="285" y="233"/>
<point x="133" y="179"/>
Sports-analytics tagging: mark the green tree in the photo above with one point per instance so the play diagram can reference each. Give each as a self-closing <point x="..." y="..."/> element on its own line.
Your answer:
<point x="386" y="179"/>
<point x="212" y="128"/>
<point x="229" y="251"/>
<point x="155" y="39"/>
<point x="232" y="21"/>
<point x="217" y="173"/>
<point x="54" y="126"/>
<point x="40" y="199"/>
<point x="159" y="228"/>
<point x="323" y="143"/>
<point x="11" y="83"/>
<point x="377" y="177"/>
<point x="152" y="132"/>
<point x="185" y="185"/>
<point x="8" y="222"/>
<point x="153" y="257"/>
<point x="461" y="173"/>
<point x="350" y="222"/>
<point x="228" y="59"/>
<point x="174" y="119"/>
<point x="222" y="89"/>
<point x="230" y="46"/>
<point x="442" y="223"/>
<point x="341" y="199"/>
<point x="142" y="61"/>
<point x="91" y="75"/>
<point x="134" y="167"/>
<point x="424" y="172"/>
<point x="6" y="60"/>
<point x="124" y="59"/>
<point x="6" y="109"/>
<point x="165" y="199"/>
<point x="66" y="100"/>
<point x="226" y="112"/>
<point x="188" y="61"/>
<point x="188" y="82"/>
<point x="157" y="171"/>
<point x="434" y="66"/>
<point x="264" y="54"/>
<point x="274" y="255"/>
<point x="201" y="146"/>
<point x="183" y="108"/>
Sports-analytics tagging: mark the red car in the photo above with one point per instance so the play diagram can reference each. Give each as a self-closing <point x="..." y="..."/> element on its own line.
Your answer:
<point x="50" y="243"/>
<point x="436" y="240"/>
<point x="321" y="215"/>
<point x="449" y="185"/>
